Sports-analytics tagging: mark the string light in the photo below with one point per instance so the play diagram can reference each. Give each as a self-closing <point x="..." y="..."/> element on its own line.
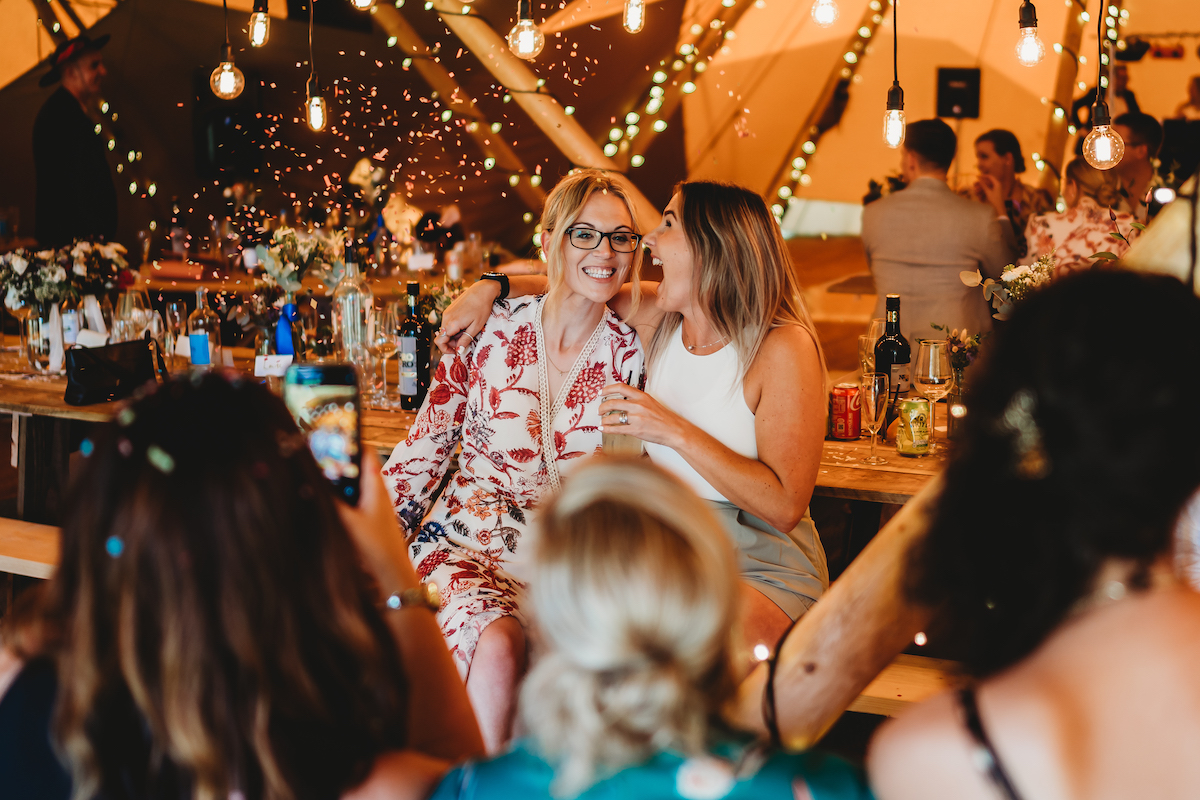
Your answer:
<point x="315" y="112"/>
<point x="227" y="81"/>
<point x="525" y="39"/>
<point x="361" y="5"/>
<point x="1030" y="50"/>
<point x="824" y="12"/>
<point x="1103" y="148"/>
<point x="260" y="24"/>
<point x="634" y="18"/>
<point x="893" y="117"/>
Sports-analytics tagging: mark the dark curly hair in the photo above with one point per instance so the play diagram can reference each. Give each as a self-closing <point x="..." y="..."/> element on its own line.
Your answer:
<point x="1107" y="363"/>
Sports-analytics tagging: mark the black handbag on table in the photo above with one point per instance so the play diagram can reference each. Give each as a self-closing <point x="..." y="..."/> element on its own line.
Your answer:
<point x="112" y="372"/>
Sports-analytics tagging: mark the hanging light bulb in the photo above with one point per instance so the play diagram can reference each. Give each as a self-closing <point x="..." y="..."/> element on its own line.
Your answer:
<point x="1103" y="148"/>
<point x="635" y="15"/>
<point x="825" y="12"/>
<point x="363" y="5"/>
<point x="315" y="111"/>
<point x="893" y="118"/>
<point x="227" y="81"/>
<point x="1030" y="50"/>
<point x="260" y="24"/>
<point x="525" y="39"/>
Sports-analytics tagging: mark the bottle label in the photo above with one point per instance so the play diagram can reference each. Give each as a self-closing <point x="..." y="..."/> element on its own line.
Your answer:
<point x="198" y="342"/>
<point x="70" y="323"/>
<point x="899" y="378"/>
<point x="408" y="365"/>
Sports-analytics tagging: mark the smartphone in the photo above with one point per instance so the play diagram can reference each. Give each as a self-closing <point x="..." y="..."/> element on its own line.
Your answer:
<point x="325" y="403"/>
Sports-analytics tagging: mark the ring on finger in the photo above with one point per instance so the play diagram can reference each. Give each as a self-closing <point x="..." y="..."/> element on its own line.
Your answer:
<point x="624" y="418"/>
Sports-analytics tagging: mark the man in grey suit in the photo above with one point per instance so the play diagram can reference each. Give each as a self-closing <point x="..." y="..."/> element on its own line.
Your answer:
<point x="919" y="239"/>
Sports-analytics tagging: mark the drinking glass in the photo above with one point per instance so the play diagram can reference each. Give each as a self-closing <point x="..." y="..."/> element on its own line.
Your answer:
<point x="876" y="330"/>
<point x="306" y="314"/>
<point x="177" y="314"/>
<point x="382" y="345"/>
<point x="873" y="401"/>
<point x="866" y="353"/>
<point x="133" y="307"/>
<point x="933" y="377"/>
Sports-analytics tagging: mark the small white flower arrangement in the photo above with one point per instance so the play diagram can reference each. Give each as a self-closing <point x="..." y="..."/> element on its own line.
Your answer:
<point x="292" y="255"/>
<point x="1015" y="284"/>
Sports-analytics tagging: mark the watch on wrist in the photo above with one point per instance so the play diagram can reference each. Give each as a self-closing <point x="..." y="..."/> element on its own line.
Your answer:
<point x="426" y="595"/>
<point x="500" y="278"/>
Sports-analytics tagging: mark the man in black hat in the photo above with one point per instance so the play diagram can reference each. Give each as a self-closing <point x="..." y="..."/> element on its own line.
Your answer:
<point x="76" y="197"/>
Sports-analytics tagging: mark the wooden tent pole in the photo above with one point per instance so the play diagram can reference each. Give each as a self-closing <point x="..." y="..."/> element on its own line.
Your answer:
<point x="562" y="130"/>
<point x="492" y="145"/>
<point x="1064" y="89"/>
<point x="581" y="12"/>
<point x="861" y="624"/>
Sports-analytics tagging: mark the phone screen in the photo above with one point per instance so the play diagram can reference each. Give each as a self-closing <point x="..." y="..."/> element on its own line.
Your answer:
<point x="324" y="401"/>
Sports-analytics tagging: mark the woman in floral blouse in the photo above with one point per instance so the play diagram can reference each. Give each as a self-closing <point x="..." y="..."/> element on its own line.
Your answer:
<point x="1081" y="231"/>
<point x="523" y="402"/>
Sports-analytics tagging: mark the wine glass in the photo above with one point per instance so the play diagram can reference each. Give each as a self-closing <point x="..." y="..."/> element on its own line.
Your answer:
<point x="875" y="331"/>
<point x="932" y="376"/>
<point x="306" y="313"/>
<point x="866" y="353"/>
<point x="873" y="401"/>
<point x="177" y="315"/>
<point x="133" y="307"/>
<point x="382" y="345"/>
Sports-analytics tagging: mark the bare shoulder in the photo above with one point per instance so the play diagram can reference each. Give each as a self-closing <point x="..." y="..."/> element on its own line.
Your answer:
<point x="400" y="775"/>
<point x="788" y="348"/>
<point x="924" y="753"/>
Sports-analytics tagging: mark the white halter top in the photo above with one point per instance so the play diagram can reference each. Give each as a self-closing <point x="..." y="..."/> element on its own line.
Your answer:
<point x="707" y="392"/>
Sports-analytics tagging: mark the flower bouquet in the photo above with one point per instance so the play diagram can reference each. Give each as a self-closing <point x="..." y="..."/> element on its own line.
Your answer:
<point x="292" y="256"/>
<point x="34" y="277"/>
<point x="1015" y="283"/>
<point x="99" y="268"/>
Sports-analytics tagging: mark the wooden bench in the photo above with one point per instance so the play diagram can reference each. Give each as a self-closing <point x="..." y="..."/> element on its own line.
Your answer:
<point x="27" y="548"/>
<point x="907" y="680"/>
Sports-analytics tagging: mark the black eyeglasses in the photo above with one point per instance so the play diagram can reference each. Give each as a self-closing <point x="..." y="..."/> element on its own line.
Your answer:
<point x="589" y="239"/>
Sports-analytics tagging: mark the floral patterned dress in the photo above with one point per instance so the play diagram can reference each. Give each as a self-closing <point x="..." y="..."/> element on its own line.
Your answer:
<point x="1077" y="234"/>
<point x="474" y="540"/>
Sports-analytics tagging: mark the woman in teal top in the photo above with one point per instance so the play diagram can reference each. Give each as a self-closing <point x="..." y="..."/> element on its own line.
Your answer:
<point x="634" y="598"/>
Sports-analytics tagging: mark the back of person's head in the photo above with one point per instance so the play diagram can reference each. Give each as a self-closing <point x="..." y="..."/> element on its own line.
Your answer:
<point x="1004" y="143"/>
<point x="563" y="206"/>
<point x="1077" y="448"/>
<point x="933" y="143"/>
<point x="634" y="597"/>
<point x="218" y="632"/>
<point x="1145" y="129"/>
<point x="744" y="275"/>
<point x="1102" y="185"/>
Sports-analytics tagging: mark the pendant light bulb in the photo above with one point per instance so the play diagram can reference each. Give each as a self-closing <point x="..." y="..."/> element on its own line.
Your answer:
<point x="1030" y="50"/>
<point x="525" y="39"/>
<point x="634" y="18"/>
<point x="825" y="12"/>
<point x="227" y="81"/>
<point x="363" y="5"/>
<point x="315" y="111"/>
<point x="893" y="118"/>
<point x="260" y="28"/>
<point x="1103" y="148"/>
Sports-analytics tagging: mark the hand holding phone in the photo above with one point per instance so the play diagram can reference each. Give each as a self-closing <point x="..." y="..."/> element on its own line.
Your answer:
<point x="326" y="405"/>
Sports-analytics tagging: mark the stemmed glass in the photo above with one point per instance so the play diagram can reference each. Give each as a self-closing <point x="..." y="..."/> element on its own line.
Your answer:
<point x="866" y="353"/>
<point x="382" y="345"/>
<point x="933" y="377"/>
<point x="177" y="315"/>
<point x="133" y="314"/>
<point x="873" y="400"/>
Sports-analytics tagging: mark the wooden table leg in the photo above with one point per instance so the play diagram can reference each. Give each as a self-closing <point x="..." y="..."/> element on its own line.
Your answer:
<point x="43" y="450"/>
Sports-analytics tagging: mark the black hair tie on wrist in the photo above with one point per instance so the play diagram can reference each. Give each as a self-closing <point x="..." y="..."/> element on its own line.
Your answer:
<point x="769" y="712"/>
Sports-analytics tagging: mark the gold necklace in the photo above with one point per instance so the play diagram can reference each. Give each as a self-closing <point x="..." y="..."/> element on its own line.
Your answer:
<point x="693" y="347"/>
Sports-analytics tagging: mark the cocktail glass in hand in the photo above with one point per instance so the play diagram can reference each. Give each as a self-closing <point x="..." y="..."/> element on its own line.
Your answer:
<point x="933" y="377"/>
<point x="619" y="442"/>
<point x="873" y="401"/>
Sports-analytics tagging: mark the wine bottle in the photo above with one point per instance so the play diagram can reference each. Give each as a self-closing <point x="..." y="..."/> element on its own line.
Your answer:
<point x="353" y="303"/>
<point x="892" y="353"/>
<point x="204" y="333"/>
<point x="414" y="354"/>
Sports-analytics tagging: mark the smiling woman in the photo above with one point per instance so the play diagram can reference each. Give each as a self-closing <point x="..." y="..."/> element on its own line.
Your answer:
<point x="522" y="398"/>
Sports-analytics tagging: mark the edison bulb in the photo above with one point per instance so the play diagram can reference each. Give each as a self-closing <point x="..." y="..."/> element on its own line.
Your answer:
<point x="1030" y="50"/>
<point x="635" y="15"/>
<point x="227" y="81"/>
<point x="260" y="28"/>
<point x="1103" y="148"/>
<point x="825" y="12"/>
<point x="893" y="127"/>
<point x="525" y="40"/>
<point x="363" y="5"/>
<point x="316" y="113"/>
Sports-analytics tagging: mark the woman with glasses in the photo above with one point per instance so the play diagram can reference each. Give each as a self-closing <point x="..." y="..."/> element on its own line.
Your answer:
<point x="735" y="403"/>
<point x="522" y="398"/>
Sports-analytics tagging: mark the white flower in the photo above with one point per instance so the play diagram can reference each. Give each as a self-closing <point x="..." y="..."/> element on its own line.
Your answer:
<point x="704" y="778"/>
<point x="112" y="250"/>
<point x="45" y="255"/>
<point x="18" y="264"/>
<point x="80" y="250"/>
<point x="12" y="299"/>
<point x="56" y="275"/>
<point x="80" y="269"/>
<point x="1012" y="274"/>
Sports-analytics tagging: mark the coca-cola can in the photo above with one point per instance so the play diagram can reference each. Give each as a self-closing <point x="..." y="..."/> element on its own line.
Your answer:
<point x="845" y="411"/>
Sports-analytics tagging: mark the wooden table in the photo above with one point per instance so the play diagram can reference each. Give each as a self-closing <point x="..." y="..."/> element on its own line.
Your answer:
<point x="43" y="447"/>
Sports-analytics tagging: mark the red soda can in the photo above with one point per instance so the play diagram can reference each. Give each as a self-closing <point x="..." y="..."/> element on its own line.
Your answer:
<point x="844" y="410"/>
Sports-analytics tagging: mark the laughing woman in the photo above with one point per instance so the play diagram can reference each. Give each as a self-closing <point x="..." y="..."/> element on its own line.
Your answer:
<point x="522" y="398"/>
<point x="735" y="402"/>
